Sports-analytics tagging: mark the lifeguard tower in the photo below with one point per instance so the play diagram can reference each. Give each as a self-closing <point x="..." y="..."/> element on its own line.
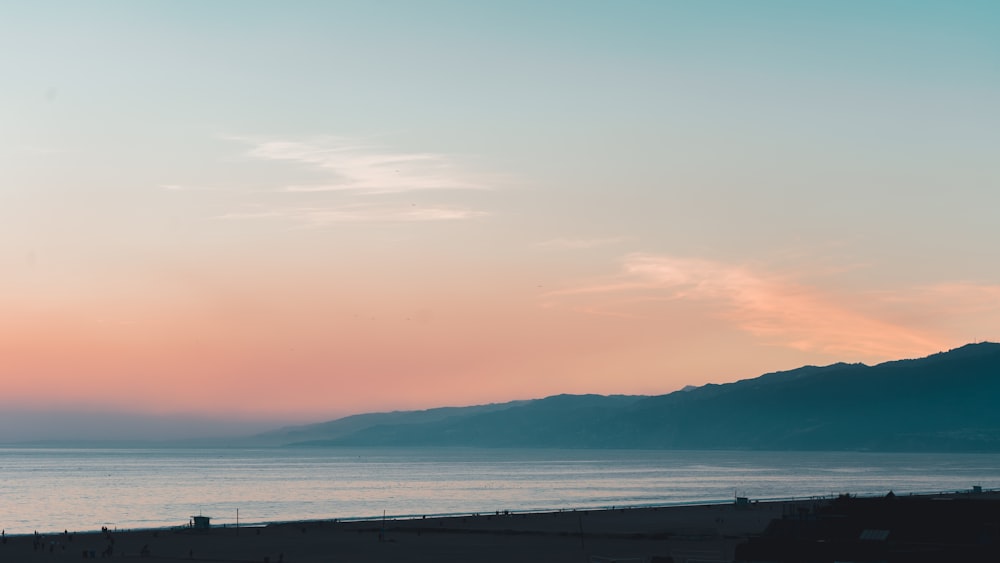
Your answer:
<point x="201" y="522"/>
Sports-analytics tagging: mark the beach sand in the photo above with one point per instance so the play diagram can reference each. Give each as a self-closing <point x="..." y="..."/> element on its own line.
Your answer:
<point x="703" y="533"/>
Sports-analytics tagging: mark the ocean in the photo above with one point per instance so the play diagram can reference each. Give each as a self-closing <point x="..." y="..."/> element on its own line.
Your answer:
<point x="51" y="490"/>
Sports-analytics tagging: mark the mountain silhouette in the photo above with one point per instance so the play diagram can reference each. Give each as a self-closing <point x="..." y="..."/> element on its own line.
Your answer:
<point x="944" y="402"/>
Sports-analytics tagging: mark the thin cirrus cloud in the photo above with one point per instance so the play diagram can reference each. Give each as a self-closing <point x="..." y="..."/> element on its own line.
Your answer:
<point x="359" y="213"/>
<point x="356" y="166"/>
<point x="360" y="183"/>
<point x="775" y="307"/>
<point x="192" y="188"/>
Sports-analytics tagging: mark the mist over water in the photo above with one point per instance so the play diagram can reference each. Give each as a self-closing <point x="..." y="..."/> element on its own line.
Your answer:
<point x="84" y="489"/>
<point x="27" y="425"/>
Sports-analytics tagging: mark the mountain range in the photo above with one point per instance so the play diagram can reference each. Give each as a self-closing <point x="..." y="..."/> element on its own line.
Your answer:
<point x="943" y="402"/>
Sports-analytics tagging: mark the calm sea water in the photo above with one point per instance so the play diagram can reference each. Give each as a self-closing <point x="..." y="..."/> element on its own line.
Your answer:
<point x="84" y="489"/>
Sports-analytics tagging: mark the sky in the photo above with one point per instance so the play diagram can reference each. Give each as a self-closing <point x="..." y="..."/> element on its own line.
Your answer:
<point x="294" y="211"/>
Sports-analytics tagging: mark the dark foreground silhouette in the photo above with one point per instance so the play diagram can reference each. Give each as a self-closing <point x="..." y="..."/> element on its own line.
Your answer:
<point x="955" y="527"/>
<point x="890" y="529"/>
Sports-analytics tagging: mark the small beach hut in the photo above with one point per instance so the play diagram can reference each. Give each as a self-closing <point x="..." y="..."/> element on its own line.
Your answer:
<point x="201" y="522"/>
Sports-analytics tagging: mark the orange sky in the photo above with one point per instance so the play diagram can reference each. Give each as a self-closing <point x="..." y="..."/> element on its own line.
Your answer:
<point x="317" y="344"/>
<point x="229" y="209"/>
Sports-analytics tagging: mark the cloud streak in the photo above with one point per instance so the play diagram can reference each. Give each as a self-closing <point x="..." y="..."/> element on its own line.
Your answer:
<point x="192" y="188"/>
<point x="359" y="213"/>
<point x="782" y="311"/>
<point x="358" y="167"/>
<point x="359" y="183"/>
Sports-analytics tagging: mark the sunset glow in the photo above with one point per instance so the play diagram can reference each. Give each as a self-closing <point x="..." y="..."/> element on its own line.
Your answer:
<point x="296" y="211"/>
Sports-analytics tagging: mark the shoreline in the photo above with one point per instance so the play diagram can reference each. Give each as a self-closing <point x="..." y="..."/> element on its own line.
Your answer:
<point x="568" y="535"/>
<point x="703" y="531"/>
<point x="160" y="489"/>
<point x="406" y="517"/>
<point x="455" y="515"/>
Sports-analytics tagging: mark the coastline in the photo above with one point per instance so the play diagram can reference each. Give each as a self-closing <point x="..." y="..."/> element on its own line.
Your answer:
<point x="707" y="532"/>
<point x="160" y="489"/>
<point x="540" y="536"/>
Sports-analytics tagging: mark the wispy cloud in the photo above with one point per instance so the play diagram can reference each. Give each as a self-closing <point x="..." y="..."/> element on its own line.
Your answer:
<point x="358" y="213"/>
<point x="781" y="310"/>
<point x="192" y="188"/>
<point x="360" y="182"/>
<point x="582" y="243"/>
<point x="357" y="166"/>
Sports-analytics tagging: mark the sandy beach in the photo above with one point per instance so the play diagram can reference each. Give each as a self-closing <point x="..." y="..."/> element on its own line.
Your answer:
<point x="703" y="533"/>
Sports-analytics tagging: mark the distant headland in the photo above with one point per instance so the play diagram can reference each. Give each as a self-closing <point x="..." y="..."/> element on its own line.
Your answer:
<point x="943" y="402"/>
